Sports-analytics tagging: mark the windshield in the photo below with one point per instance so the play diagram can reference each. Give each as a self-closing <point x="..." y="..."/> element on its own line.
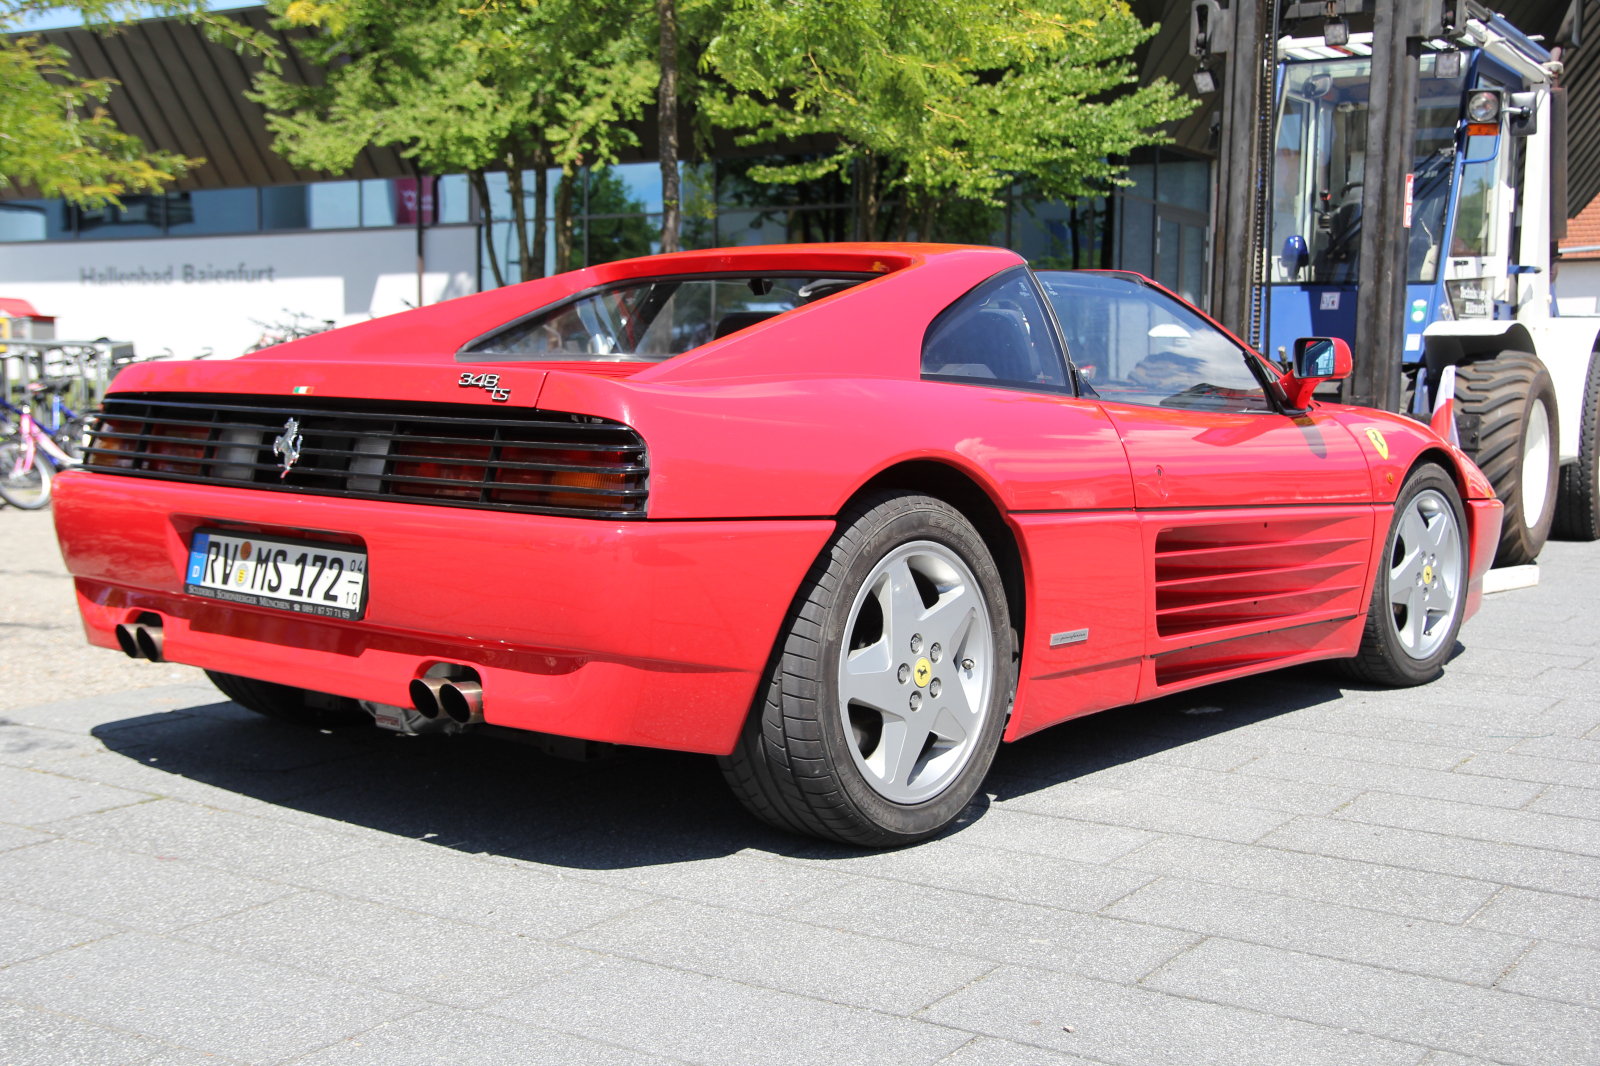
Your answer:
<point x="1320" y="170"/>
<point x="652" y="319"/>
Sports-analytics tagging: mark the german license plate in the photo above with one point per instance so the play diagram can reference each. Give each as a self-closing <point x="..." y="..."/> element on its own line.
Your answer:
<point x="303" y="576"/>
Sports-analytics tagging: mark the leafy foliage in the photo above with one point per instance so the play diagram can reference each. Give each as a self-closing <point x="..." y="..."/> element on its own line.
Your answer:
<point x="55" y="133"/>
<point x="946" y="101"/>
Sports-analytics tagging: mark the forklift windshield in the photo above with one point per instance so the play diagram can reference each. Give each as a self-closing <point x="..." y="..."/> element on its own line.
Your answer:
<point x="1321" y="163"/>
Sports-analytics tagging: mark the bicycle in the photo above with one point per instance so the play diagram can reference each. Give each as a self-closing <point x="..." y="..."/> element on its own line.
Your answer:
<point x="66" y="427"/>
<point x="28" y="459"/>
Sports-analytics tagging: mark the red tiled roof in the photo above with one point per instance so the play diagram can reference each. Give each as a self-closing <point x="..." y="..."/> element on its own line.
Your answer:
<point x="1583" y="232"/>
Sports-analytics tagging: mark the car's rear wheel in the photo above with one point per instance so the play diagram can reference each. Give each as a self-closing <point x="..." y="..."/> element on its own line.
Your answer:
<point x="887" y="693"/>
<point x="290" y="704"/>
<point x="1420" y="590"/>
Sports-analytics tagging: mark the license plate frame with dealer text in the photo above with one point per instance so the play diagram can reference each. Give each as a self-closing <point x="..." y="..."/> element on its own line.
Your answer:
<point x="310" y="577"/>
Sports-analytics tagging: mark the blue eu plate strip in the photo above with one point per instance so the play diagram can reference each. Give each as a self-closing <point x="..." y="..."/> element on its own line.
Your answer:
<point x="197" y="557"/>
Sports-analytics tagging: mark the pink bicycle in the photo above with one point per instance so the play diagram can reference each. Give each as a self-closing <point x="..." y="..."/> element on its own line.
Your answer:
<point x="28" y="458"/>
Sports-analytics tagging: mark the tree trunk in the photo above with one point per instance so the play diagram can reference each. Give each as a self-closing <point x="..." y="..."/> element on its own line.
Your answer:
<point x="930" y="205"/>
<point x="868" y="197"/>
<point x="481" y="183"/>
<point x="541" y="211"/>
<point x="667" y="118"/>
<point x="519" y="212"/>
<point x="563" y="222"/>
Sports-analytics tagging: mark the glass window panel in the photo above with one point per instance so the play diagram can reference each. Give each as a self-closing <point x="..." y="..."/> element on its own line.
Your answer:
<point x="139" y="216"/>
<point x="1320" y="166"/>
<point x="1169" y="242"/>
<point x="997" y="334"/>
<point x="30" y="220"/>
<point x="1476" y="216"/>
<point x="1142" y="172"/>
<point x="814" y="224"/>
<point x="334" y="204"/>
<point x="1136" y="243"/>
<point x="627" y="237"/>
<point x="212" y="211"/>
<point x="455" y="198"/>
<point x="735" y="228"/>
<point x="638" y="185"/>
<point x="1132" y="344"/>
<point x="1184" y="182"/>
<point x="1438" y="113"/>
<point x="378" y="196"/>
<point x="653" y="319"/>
<point x="1192" y="276"/>
<point x="285" y="207"/>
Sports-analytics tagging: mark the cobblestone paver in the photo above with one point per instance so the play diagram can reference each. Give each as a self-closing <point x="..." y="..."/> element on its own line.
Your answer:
<point x="1289" y="870"/>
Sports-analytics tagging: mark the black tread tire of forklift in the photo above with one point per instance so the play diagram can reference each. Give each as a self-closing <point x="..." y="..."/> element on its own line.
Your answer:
<point x="1380" y="660"/>
<point x="1578" y="496"/>
<point x="787" y="767"/>
<point x="287" y="704"/>
<point x="1501" y="391"/>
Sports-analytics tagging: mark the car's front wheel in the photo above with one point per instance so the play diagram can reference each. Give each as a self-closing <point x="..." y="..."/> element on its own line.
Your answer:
<point x="1420" y="590"/>
<point x="887" y="694"/>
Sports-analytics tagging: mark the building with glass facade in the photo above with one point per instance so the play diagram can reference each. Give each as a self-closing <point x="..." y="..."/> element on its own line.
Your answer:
<point x="247" y="242"/>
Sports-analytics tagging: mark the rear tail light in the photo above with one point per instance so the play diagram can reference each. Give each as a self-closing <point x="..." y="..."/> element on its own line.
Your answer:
<point x="115" y="441"/>
<point x="537" y="486"/>
<point x="451" y="480"/>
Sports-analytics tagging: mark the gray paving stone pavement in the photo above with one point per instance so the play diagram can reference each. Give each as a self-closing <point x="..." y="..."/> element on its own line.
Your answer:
<point x="1308" y="872"/>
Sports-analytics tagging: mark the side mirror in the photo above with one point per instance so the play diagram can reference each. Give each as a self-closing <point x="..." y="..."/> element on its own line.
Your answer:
<point x="1316" y="359"/>
<point x="1296" y="254"/>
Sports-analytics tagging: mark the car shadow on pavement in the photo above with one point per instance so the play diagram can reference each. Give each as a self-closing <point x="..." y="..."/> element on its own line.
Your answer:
<point x="639" y="808"/>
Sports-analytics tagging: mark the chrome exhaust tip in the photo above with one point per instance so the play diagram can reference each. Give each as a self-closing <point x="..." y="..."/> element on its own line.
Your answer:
<point x="462" y="701"/>
<point x="425" y="695"/>
<point x="128" y="642"/>
<point x="148" y="639"/>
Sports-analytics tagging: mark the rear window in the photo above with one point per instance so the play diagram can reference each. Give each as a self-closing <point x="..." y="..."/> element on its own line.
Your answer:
<point x="651" y="319"/>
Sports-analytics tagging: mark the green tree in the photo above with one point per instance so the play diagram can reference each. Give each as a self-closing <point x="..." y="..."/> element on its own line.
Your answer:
<point x="944" y="103"/>
<point x="56" y="136"/>
<point x="512" y="85"/>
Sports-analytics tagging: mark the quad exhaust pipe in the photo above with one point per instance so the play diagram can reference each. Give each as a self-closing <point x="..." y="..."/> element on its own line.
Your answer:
<point x="140" y="640"/>
<point x="459" y="699"/>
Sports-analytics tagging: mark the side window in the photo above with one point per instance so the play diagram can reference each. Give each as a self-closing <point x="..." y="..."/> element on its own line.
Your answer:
<point x="997" y="334"/>
<point x="1135" y="344"/>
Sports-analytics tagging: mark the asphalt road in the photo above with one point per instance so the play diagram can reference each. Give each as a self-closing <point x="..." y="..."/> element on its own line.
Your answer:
<point x="1287" y="870"/>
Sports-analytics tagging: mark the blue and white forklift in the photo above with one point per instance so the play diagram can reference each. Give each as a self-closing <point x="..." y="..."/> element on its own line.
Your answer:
<point x="1484" y="196"/>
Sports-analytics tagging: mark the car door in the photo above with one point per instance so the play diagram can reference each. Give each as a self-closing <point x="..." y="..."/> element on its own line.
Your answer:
<point x="1256" y="526"/>
<point x="1071" y="501"/>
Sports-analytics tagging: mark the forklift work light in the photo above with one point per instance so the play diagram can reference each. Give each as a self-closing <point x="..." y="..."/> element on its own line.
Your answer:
<point x="1205" y="82"/>
<point x="1483" y="106"/>
<point x="1336" y="33"/>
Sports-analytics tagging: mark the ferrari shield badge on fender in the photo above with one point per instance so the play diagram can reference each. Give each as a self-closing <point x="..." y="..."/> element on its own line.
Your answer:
<point x="1378" y="443"/>
<point x="287" y="447"/>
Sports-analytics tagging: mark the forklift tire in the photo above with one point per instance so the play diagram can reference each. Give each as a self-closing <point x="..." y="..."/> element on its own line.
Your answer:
<point x="1513" y="401"/>
<point x="1578" y="501"/>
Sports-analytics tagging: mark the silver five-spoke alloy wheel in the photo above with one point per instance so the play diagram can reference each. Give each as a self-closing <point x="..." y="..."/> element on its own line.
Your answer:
<point x="1427" y="574"/>
<point x="916" y="677"/>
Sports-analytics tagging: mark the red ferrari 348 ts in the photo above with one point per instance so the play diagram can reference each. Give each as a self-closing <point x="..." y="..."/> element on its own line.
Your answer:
<point x="844" y="516"/>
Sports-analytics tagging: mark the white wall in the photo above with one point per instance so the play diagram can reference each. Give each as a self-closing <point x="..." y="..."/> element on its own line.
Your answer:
<point x="188" y="294"/>
<point x="1578" y="286"/>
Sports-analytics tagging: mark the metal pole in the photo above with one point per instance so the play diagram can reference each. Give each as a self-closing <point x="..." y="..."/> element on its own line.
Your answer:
<point x="1232" y="274"/>
<point x="1385" y="242"/>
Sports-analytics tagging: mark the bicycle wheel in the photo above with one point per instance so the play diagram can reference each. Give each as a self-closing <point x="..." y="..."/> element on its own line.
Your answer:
<point x="27" y="488"/>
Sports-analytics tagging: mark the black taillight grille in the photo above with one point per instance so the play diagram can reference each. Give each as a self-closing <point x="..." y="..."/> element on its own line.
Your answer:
<point x="453" y="455"/>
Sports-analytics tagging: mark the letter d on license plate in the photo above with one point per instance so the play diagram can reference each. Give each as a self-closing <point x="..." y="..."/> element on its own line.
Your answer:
<point x="302" y="576"/>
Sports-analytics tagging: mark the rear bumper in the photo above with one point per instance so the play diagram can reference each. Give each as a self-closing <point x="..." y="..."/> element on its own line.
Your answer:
<point x="647" y="633"/>
<point x="1483" y="525"/>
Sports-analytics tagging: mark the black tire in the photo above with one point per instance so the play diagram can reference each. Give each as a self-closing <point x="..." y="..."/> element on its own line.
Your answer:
<point x="792" y="766"/>
<point x="1578" y="498"/>
<point x="1383" y="660"/>
<point x="290" y="704"/>
<point x="1499" y="395"/>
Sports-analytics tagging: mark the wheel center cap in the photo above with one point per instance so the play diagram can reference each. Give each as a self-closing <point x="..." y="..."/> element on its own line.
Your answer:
<point x="922" y="672"/>
<point x="1427" y="575"/>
